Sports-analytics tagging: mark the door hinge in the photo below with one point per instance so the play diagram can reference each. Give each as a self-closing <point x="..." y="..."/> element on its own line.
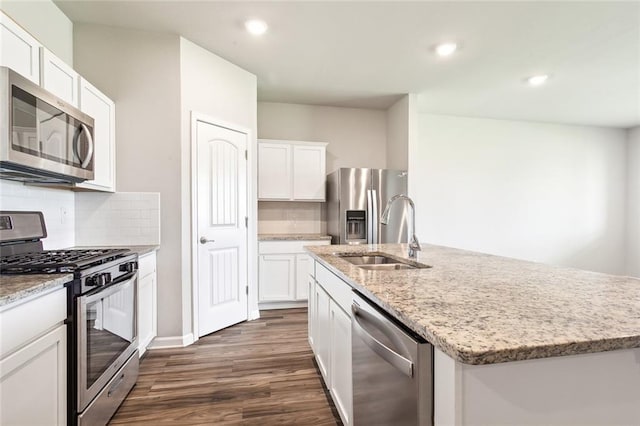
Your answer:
<point x="246" y="221"/>
<point x="247" y="290"/>
<point x="246" y="154"/>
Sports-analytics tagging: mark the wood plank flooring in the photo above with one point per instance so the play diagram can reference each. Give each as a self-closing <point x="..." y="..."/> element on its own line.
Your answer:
<point x="255" y="373"/>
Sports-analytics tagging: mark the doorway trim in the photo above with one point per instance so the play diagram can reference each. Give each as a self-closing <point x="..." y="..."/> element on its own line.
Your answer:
<point x="251" y="245"/>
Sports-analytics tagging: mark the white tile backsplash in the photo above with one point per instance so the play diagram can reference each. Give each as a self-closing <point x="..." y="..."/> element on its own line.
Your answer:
<point x="287" y="217"/>
<point x="123" y="218"/>
<point x="57" y="205"/>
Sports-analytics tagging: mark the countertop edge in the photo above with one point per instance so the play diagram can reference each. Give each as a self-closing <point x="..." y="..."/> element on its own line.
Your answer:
<point x="488" y="357"/>
<point x="44" y="286"/>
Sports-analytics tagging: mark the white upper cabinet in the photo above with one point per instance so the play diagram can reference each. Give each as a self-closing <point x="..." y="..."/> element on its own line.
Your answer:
<point x="59" y="78"/>
<point x="291" y="170"/>
<point x="19" y="50"/>
<point x="309" y="172"/>
<point x="274" y="171"/>
<point x="97" y="105"/>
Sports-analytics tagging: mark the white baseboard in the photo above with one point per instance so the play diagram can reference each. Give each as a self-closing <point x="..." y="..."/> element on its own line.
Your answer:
<point x="282" y="305"/>
<point x="171" y="342"/>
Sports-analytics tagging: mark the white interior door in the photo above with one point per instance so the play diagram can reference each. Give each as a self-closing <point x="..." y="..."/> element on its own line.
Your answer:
<point x="222" y="232"/>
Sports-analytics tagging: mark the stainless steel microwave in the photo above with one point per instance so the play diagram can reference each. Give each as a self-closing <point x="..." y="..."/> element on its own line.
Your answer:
<point x="42" y="138"/>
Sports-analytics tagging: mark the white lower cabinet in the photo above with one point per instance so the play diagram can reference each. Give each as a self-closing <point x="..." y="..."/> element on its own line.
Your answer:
<point x="340" y="361"/>
<point x="33" y="361"/>
<point x="283" y="268"/>
<point x="323" y="335"/>
<point x="147" y="301"/>
<point x="330" y="335"/>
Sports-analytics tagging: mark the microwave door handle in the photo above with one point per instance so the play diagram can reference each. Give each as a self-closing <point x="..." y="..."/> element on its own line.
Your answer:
<point x="76" y="145"/>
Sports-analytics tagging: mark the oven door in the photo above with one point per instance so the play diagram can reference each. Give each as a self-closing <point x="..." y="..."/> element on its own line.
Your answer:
<point x="107" y="334"/>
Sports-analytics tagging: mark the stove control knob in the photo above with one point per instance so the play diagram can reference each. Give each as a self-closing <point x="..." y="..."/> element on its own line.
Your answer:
<point x="91" y="281"/>
<point x="129" y="267"/>
<point x="98" y="280"/>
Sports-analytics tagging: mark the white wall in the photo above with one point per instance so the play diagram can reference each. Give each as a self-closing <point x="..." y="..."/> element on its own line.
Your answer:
<point x="633" y="202"/>
<point x="57" y="205"/>
<point x="543" y="192"/>
<point x="219" y="89"/>
<point x="140" y="71"/>
<point x="400" y="118"/>
<point x="356" y="137"/>
<point x="43" y="20"/>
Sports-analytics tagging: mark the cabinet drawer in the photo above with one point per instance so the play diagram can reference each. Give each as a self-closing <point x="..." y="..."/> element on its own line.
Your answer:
<point x="146" y="265"/>
<point x="24" y="322"/>
<point x="287" y="247"/>
<point x="337" y="289"/>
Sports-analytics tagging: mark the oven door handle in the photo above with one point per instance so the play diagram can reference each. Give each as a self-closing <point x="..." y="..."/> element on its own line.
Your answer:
<point x="111" y="289"/>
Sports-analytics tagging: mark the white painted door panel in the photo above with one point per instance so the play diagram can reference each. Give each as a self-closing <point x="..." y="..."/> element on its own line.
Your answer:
<point x="309" y="172"/>
<point x="33" y="382"/>
<point x="59" y="78"/>
<point x="340" y="362"/>
<point x="103" y="110"/>
<point x="274" y="171"/>
<point x="19" y="50"/>
<point x="302" y="273"/>
<point x="222" y="208"/>
<point x="276" y="277"/>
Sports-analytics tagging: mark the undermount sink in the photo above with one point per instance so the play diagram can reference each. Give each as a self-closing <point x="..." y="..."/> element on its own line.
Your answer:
<point x="380" y="262"/>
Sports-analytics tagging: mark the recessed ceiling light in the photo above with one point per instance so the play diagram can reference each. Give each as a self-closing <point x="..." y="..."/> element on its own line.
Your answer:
<point x="446" y="49"/>
<point x="256" y="26"/>
<point x="537" y="80"/>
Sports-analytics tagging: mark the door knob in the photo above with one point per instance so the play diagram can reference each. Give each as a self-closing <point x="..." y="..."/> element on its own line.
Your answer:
<point x="203" y="240"/>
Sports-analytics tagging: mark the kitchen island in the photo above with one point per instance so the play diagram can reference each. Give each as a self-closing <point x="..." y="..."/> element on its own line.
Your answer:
<point x="515" y="341"/>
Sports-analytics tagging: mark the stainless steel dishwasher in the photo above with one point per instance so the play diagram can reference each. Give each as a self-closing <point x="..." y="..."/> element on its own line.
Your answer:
<point x="392" y="370"/>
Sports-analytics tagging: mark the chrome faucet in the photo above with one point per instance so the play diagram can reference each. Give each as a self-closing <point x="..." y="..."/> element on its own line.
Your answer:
<point x="414" y="245"/>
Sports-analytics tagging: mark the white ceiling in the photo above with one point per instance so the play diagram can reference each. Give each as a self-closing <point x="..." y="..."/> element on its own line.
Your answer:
<point x="367" y="54"/>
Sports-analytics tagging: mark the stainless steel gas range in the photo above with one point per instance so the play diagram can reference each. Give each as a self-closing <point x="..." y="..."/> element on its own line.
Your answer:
<point x="101" y="313"/>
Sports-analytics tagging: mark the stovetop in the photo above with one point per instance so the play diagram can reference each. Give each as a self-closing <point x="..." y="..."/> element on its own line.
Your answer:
<point x="57" y="261"/>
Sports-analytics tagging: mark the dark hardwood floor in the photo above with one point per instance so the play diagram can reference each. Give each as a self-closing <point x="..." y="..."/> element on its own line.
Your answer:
<point x="255" y="373"/>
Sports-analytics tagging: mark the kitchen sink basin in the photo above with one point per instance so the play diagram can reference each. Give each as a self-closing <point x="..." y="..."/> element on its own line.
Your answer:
<point x="369" y="260"/>
<point x="380" y="262"/>
<point x="386" y="267"/>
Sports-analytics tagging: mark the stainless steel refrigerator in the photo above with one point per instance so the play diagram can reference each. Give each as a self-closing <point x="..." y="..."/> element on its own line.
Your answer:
<point x="355" y="200"/>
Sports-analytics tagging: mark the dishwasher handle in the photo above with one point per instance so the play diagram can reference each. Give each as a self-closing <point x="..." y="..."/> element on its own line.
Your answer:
<point x="398" y="361"/>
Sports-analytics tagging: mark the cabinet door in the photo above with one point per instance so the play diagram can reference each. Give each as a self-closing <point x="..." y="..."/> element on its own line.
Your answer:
<point x="146" y="312"/>
<point x="309" y="172"/>
<point x="58" y="77"/>
<point x="19" y="50"/>
<point x="340" y="362"/>
<point x="311" y="311"/>
<point x="274" y="171"/>
<point x="102" y="109"/>
<point x="302" y="273"/>
<point x="33" y="382"/>
<point x="322" y="335"/>
<point x="276" y="279"/>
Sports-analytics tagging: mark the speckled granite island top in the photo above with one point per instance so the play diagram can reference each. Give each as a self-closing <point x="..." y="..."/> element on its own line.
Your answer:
<point x="293" y="237"/>
<point x="484" y="309"/>
<point x="16" y="287"/>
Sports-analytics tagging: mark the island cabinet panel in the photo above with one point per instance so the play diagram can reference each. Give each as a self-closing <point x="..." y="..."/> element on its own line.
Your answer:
<point x="330" y="336"/>
<point x="311" y="310"/>
<point x="597" y="389"/>
<point x="340" y="361"/>
<point x="323" y="332"/>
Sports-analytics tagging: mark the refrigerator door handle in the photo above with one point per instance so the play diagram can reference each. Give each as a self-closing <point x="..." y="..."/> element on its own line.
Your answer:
<point x="375" y="221"/>
<point x="370" y="218"/>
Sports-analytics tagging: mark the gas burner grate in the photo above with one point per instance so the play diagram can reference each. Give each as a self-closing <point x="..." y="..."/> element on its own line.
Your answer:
<point x="56" y="261"/>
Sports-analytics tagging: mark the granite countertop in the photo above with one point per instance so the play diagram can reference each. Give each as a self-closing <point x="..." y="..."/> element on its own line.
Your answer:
<point x="17" y="287"/>
<point x="484" y="309"/>
<point x="293" y="237"/>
